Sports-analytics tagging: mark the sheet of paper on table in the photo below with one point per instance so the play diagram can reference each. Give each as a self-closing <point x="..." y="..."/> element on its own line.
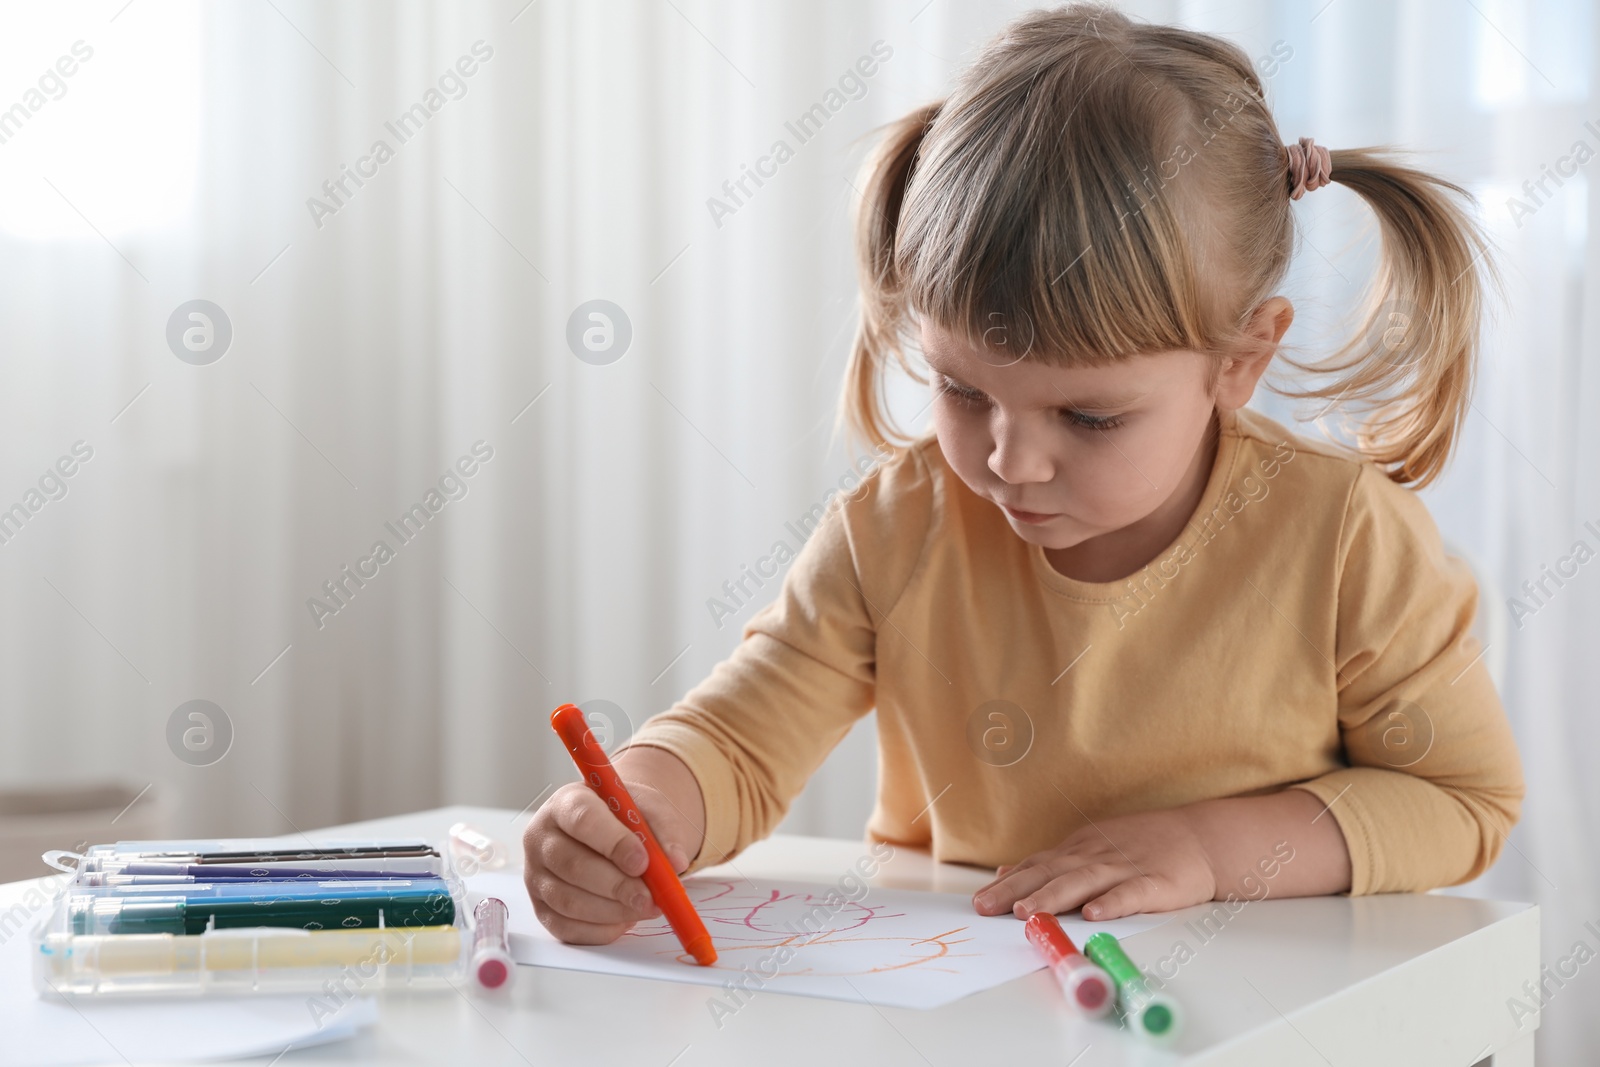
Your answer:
<point x="890" y="947"/>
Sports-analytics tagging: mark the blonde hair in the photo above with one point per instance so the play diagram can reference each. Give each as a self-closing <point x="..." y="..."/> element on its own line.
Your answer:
<point x="1095" y="188"/>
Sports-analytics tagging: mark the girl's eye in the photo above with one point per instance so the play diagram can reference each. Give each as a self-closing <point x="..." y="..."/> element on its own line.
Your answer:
<point x="965" y="395"/>
<point x="959" y="392"/>
<point x="1092" y="422"/>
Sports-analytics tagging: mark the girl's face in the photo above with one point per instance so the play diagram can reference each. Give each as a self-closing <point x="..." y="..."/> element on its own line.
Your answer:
<point x="1070" y="453"/>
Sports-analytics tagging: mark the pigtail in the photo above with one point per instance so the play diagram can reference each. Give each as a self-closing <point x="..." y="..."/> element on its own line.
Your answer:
<point x="884" y="179"/>
<point x="1410" y="366"/>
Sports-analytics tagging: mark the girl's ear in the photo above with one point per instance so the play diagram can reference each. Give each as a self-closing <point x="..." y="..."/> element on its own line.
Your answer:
<point x="1236" y="383"/>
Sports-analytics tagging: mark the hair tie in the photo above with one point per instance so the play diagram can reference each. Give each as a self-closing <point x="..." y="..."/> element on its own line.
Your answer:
<point x="1310" y="167"/>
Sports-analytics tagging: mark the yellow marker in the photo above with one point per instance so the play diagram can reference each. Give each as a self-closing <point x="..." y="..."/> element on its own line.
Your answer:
<point x="64" y="956"/>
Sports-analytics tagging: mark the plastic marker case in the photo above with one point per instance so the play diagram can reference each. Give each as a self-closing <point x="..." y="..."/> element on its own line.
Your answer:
<point x="144" y="917"/>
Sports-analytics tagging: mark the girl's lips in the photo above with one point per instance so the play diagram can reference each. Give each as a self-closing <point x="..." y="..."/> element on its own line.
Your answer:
<point x="1032" y="518"/>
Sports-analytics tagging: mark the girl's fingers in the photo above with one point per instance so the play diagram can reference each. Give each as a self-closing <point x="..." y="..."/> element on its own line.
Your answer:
<point x="1070" y="890"/>
<point x="568" y="901"/>
<point x="1140" y="893"/>
<point x="1037" y="859"/>
<point x="576" y="864"/>
<point x="1002" y="872"/>
<point x="576" y="931"/>
<point x="1002" y="894"/>
<point x="998" y="896"/>
<point x="584" y="816"/>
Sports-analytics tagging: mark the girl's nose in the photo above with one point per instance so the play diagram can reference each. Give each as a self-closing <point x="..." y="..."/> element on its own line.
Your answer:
<point x="1017" y="462"/>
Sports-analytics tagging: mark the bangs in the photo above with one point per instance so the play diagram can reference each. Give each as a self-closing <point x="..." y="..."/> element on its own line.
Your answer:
<point x="1060" y="241"/>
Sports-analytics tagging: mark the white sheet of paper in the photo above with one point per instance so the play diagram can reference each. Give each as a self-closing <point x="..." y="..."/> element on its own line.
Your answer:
<point x="892" y="947"/>
<point x="53" y="1033"/>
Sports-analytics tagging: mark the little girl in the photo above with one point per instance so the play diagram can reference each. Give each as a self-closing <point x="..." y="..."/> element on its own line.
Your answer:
<point x="1130" y="643"/>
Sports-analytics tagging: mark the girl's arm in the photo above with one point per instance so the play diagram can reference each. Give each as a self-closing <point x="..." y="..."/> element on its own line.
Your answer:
<point x="1434" y="782"/>
<point x="1287" y="841"/>
<point x="718" y="770"/>
<point x="754" y="731"/>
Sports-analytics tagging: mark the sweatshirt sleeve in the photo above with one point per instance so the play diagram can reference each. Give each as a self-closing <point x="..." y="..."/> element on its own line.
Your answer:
<point x="756" y="729"/>
<point x="1434" y="781"/>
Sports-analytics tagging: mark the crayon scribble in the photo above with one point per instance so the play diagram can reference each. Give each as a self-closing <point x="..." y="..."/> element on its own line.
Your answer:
<point x="744" y="920"/>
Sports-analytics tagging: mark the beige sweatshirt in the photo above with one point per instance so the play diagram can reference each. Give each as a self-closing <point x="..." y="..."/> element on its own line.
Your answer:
<point x="1306" y="629"/>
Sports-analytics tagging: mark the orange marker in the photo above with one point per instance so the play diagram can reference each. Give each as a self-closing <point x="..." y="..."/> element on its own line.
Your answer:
<point x="659" y="877"/>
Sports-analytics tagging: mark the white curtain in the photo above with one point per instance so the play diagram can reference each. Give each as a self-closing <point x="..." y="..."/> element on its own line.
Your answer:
<point x="381" y="334"/>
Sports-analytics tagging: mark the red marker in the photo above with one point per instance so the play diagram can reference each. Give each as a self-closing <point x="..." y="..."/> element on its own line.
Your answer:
<point x="1086" y="986"/>
<point x="659" y="877"/>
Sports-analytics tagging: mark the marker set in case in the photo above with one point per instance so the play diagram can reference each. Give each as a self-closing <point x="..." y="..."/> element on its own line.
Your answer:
<point x="247" y="916"/>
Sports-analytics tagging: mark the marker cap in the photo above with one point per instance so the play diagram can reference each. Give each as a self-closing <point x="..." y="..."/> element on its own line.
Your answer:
<point x="1087" y="987"/>
<point x="491" y="956"/>
<point x="1152" y="1015"/>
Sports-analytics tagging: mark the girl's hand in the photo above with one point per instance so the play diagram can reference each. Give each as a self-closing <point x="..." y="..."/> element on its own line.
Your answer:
<point x="1152" y="861"/>
<point x="583" y="866"/>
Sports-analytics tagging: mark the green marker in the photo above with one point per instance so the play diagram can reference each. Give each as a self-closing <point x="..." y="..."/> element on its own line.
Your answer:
<point x="1152" y="1014"/>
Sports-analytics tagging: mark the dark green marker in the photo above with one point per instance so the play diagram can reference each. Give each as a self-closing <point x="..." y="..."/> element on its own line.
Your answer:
<point x="193" y="909"/>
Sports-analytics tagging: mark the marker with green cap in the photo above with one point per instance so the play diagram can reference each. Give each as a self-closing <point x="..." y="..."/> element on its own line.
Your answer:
<point x="1152" y="1014"/>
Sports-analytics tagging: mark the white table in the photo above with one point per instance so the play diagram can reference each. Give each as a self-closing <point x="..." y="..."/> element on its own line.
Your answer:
<point x="1413" y="980"/>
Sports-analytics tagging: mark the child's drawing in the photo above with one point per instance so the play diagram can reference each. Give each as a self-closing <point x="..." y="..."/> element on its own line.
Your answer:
<point x="891" y="947"/>
<point x="840" y="937"/>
